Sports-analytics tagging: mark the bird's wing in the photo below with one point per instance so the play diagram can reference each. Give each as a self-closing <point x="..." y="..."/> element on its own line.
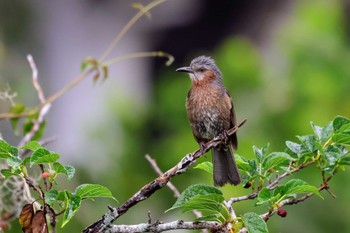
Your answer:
<point x="233" y="120"/>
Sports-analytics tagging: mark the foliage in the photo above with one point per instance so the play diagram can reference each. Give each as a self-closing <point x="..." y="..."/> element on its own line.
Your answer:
<point x="326" y="148"/>
<point x="57" y="200"/>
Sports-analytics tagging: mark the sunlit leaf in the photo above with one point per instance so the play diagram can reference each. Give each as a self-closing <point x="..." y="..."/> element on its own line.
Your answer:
<point x="254" y="223"/>
<point x="86" y="191"/>
<point x="72" y="206"/>
<point x="192" y="191"/>
<point x="205" y="166"/>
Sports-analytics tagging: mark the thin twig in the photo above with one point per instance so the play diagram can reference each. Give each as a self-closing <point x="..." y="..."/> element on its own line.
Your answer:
<point x="159" y="172"/>
<point x="35" y="78"/>
<point x="146" y="191"/>
<point x="127" y="26"/>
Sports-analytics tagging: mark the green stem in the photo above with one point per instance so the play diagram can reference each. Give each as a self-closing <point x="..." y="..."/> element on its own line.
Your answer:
<point x="126" y="28"/>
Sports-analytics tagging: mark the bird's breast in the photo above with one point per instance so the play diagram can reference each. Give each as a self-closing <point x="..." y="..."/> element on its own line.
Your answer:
<point x="208" y="114"/>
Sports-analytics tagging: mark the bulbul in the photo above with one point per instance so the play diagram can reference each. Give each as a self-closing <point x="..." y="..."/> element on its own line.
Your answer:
<point x="210" y="112"/>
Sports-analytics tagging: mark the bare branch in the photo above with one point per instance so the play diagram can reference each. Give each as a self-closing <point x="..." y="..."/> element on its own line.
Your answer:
<point x="36" y="125"/>
<point x="159" y="172"/>
<point x="147" y="190"/>
<point x="35" y="78"/>
<point x="160" y="227"/>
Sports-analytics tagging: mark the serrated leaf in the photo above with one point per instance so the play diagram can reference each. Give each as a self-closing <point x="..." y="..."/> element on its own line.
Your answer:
<point x="205" y="166"/>
<point x="210" y="217"/>
<point x="345" y="161"/>
<point x="70" y="171"/>
<point x="8" y="172"/>
<point x="14" y="151"/>
<point x="86" y="191"/>
<point x="51" y="196"/>
<point x="294" y="147"/>
<point x="326" y="132"/>
<point x="260" y="152"/>
<point x="342" y="138"/>
<point x="43" y="155"/>
<point x="14" y="161"/>
<point x="339" y="122"/>
<point x="317" y="130"/>
<point x="297" y="186"/>
<point x="242" y="163"/>
<point x="191" y="192"/>
<point x="275" y="159"/>
<point x="264" y="196"/>
<point x="72" y="206"/>
<point x="5" y="150"/>
<point x="32" y="145"/>
<point x="309" y="141"/>
<point x="59" y="168"/>
<point x="25" y="161"/>
<point x="209" y="203"/>
<point x="254" y="223"/>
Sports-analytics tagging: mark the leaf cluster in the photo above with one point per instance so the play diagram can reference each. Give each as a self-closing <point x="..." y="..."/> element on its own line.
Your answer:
<point x="59" y="201"/>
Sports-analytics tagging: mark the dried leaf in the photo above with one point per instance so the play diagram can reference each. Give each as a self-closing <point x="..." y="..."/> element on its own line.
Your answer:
<point x="25" y="218"/>
<point x="39" y="224"/>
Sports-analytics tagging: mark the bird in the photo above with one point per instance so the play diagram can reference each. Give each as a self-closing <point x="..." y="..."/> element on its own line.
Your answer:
<point x="211" y="113"/>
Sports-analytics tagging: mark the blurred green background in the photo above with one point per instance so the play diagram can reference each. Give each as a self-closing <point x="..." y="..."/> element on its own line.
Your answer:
<point x="294" y="71"/>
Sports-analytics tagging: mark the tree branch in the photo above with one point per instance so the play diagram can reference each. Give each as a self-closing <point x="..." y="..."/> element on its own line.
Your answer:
<point x="186" y="162"/>
<point x="160" y="227"/>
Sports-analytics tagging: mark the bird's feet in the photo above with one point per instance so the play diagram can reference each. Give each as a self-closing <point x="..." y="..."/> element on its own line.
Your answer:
<point x="225" y="137"/>
<point x="202" y="148"/>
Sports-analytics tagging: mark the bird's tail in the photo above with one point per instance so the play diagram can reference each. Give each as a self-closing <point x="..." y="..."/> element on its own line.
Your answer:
<point x="225" y="168"/>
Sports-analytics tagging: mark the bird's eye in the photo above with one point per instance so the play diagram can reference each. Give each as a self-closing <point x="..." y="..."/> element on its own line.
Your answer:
<point x="201" y="69"/>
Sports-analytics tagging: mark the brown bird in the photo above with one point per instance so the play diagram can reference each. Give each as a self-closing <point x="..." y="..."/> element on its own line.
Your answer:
<point x="210" y="112"/>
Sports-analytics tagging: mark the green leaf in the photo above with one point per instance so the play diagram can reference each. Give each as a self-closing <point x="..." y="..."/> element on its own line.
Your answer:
<point x="345" y="161"/>
<point x="67" y="170"/>
<point x="339" y="122"/>
<point x="342" y="138"/>
<point x="264" y="197"/>
<point x="210" y="203"/>
<point x="14" y="161"/>
<point x="191" y="192"/>
<point x="260" y="153"/>
<point x="254" y="223"/>
<point x="209" y="217"/>
<point x="5" y="149"/>
<point x="26" y="161"/>
<point x="59" y="168"/>
<point x="8" y="172"/>
<point x="205" y="166"/>
<point x="73" y="204"/>
<point x="275" y="159"/>
<point x="93" y="190"/>
<point x="43" y="155"/>
<point x="294" y="147"/>
<point x="297" y="186"/>
<point x="242" y="163"/>
<point x="309" y="141"/>
<point x="323" y="134"/>
<point x="51" y="196"/>
<point x="32" y="145"/>
<point x="70" y="171"/>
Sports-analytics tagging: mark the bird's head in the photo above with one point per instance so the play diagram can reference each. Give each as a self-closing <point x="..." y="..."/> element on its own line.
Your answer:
<point x="202" y="69"/>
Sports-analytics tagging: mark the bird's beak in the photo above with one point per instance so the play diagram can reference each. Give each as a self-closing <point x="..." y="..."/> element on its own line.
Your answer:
<point x="185" y="69"/>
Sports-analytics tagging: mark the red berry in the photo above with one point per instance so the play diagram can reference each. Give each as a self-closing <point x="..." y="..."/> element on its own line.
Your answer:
<point x="282" y="213"/>
<point x="45" y="175"/>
